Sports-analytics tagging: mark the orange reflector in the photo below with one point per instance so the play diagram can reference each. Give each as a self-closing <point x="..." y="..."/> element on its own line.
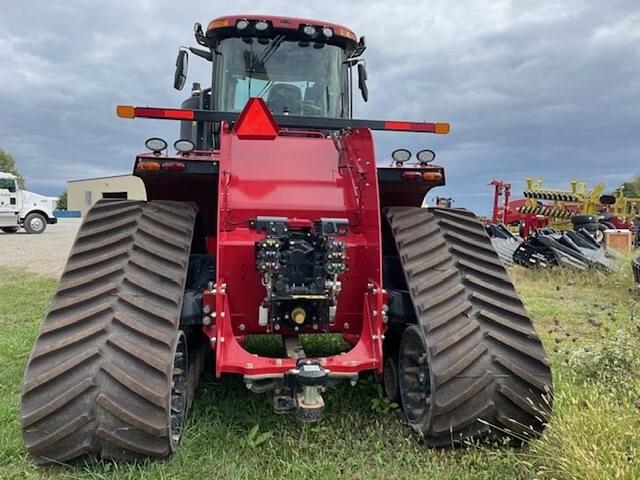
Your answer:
<point x="126" y="111"/>
<point x="148" y="166"/>
<point x="442" y="128"/>
<point x="256" y="122"/>
<point x="432" y="176"/>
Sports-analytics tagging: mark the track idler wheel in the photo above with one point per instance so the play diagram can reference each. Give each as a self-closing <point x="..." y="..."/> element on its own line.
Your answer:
<point x="414" y="380"/>
<point x="390" y="379"/>
<point x="179" y="389"/>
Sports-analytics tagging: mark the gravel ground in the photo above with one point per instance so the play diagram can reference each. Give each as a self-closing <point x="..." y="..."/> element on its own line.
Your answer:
<point x="44" y="254"/>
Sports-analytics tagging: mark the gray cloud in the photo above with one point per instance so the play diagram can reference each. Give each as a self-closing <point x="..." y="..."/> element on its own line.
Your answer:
<point x="542" y="88"/>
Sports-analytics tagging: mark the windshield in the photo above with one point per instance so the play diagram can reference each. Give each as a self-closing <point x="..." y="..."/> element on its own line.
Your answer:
<point x="293" y="77"/>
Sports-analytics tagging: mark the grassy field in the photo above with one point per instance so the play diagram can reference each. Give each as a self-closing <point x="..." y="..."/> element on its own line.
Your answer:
<point x="591" y="330"/>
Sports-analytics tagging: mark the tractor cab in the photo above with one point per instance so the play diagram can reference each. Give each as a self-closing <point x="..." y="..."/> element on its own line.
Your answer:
<point x="299" y="67"/>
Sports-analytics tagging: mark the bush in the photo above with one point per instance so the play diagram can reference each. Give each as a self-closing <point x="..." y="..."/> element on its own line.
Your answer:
<point x="615" y="363"/>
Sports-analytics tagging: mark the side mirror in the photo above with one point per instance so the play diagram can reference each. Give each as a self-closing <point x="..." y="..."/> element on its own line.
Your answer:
<point x="198" y="33"/>
<point x="362" y="82"/>
<point x="182" y="66"/>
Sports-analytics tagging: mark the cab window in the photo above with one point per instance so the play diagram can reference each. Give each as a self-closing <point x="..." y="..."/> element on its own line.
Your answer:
<point x="8" y="184"/>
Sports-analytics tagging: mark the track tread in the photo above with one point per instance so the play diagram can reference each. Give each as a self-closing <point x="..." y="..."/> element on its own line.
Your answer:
<point x="489" y="372"/>
<point x="98" y="381"/>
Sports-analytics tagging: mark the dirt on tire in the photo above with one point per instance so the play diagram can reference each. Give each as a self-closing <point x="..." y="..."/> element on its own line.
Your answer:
<point x="98" y="380"/>
<point x="489" y="375"/>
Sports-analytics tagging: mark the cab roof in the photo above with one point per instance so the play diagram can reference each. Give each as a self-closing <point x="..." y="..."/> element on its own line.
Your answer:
<point x="292" y="23"/>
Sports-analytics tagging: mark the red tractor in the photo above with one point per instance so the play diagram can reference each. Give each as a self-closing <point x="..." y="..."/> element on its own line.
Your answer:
<point x="273" y="218"/>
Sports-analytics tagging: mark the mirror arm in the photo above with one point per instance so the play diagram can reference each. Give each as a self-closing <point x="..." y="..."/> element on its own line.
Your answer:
<point x="201" y="53"/>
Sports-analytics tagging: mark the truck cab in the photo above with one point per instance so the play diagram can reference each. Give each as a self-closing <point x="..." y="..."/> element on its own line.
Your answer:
<point x="20" y="208"/>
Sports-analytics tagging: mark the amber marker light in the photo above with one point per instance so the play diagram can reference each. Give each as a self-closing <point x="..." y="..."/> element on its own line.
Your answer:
<point x="148" y="166"/>
<point x="126" y="111"/>
<point x="442" y="128"/>
<point x="432" y="176"/>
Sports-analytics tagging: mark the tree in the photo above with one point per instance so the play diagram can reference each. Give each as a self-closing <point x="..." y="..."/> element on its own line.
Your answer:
<point x="62" y="201"/>
<point x="632" y="188"/>
<point x="8" y="165"/>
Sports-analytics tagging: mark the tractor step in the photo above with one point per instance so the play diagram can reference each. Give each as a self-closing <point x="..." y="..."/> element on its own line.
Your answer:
<point x="109" y="375"/>
<point x="473" y="367"/>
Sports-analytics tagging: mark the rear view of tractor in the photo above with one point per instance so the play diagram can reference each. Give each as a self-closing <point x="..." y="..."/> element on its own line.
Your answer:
<point x="274" y="218"/>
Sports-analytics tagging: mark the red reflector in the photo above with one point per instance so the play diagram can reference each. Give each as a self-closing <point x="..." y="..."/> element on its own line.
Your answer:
<point x="256" y="122"/>
<point x="166" y="113"/>
<point x="397" y="126"/>
<point x="173" y="166"/>
<point x="410" y="127"/>
<point x="411" y="175"/>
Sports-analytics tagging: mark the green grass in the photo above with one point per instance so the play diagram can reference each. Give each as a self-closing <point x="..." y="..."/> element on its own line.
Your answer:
<point x="590" y="326"/>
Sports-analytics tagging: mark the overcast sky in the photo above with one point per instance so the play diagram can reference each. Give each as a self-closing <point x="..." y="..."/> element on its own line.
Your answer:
<point x="538" y="88"/>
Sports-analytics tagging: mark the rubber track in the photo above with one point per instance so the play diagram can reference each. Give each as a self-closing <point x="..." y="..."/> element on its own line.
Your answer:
<point x="98" y="380"/>
<point x="490" y="377"/>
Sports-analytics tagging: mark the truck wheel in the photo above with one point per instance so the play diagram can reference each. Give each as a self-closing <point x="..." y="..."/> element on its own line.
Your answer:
<point x="472" y="366"/>
<point x="9" y="229"/>
<point x="35" y="223"/>
<point x="108" y="375"/>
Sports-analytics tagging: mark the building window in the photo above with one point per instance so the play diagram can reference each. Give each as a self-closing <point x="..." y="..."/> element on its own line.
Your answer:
<point x="112" y="195"/>
<point x="87" y="197"/>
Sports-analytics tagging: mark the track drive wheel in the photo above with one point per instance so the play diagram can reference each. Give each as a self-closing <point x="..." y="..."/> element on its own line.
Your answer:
<point x="108" y="376"/>
<point x="471" y="367"/>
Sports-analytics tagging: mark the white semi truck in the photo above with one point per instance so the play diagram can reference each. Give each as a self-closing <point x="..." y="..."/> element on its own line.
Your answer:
<point x="19" y="208"/>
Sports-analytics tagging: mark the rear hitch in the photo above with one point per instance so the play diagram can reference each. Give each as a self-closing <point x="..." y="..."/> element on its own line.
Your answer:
<point x="305" y="385"/>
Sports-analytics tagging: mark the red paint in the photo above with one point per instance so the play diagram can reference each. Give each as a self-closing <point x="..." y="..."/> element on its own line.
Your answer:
<point x="303" y="177"/>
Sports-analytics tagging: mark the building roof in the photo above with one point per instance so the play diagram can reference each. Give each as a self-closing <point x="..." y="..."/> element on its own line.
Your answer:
<point x="100" y="178"/>
<point x="7" y="175"/>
